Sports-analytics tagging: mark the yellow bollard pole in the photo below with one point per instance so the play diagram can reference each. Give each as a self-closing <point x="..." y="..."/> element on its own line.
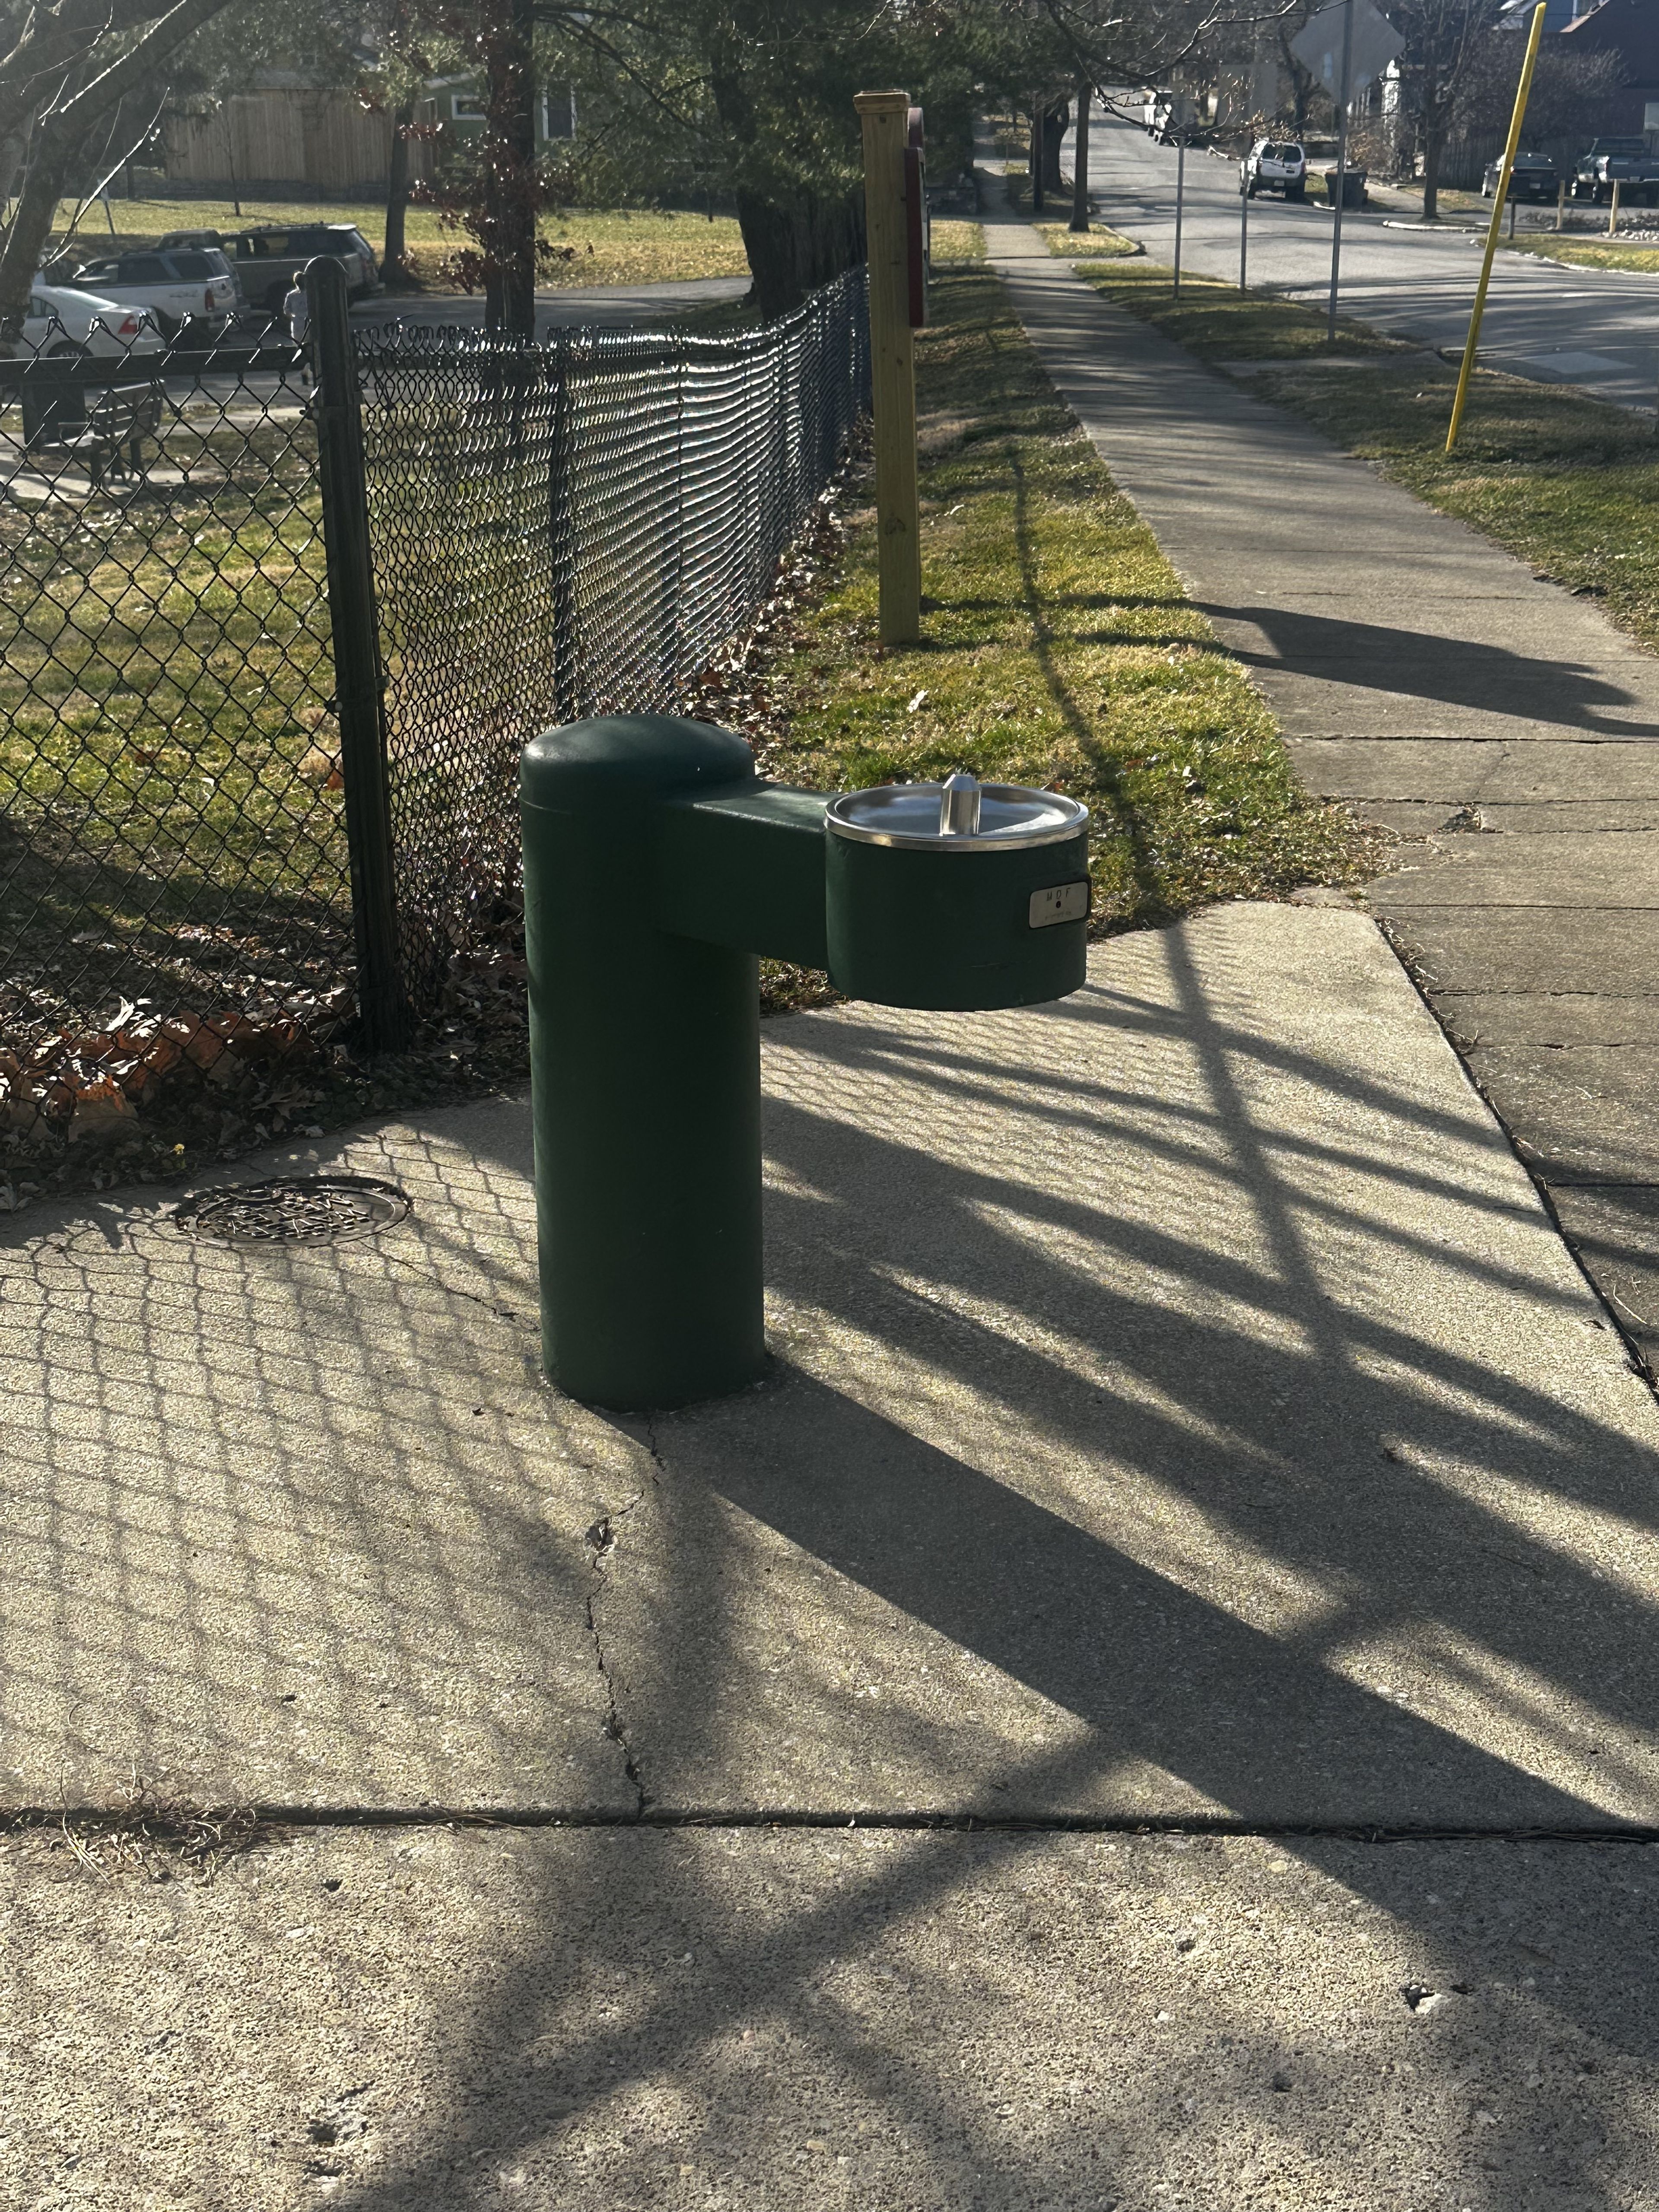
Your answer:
<point x="1516" y="121"/>
<point x="885" y="117"/>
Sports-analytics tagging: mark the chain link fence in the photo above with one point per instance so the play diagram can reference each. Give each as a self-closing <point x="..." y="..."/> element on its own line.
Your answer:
<point x="563" y="529"/>
<point x="268" y="653"/>
<point x="173" y="858"/>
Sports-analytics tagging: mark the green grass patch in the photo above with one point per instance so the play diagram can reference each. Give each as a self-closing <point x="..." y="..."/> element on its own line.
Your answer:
<point x="1563" y="481"/>
<point x="1099" y="242"/>
<point x="1580" y="252"/>
<point x="1217" y="322"/>
<point x="610" y="246"/>
<point x="1059" y="650"/>
<point x="952" y="240"/>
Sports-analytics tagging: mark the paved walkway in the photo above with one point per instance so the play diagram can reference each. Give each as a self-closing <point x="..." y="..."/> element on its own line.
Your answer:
<point x="590" y="306"/>
<point x="1422" y="673"/>
<point x="1184" y="1412"/>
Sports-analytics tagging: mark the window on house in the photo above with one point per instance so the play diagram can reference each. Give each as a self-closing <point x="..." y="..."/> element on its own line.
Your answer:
<point x="558" y="111"/>
<point x="466" y="107"/>
<point x="1650" y="116"/>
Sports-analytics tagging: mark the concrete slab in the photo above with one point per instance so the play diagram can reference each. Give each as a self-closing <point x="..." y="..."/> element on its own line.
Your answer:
<point x="1564" y="1018"/>
<point x="1514" y="950"/>
<point x="1149" y="1363"/>
<point x="1182" y="1406"/>
<point x="1577" y="818"/>
<point x="1387" y="697"/>
<point x="601" y="2021"/>
<point x="1583" y="872"/>
<point x="300" y="1525"/>
<point x="1614" y="1229"/>
<point x="1443" y="769"/>
<point x="1587" y="1111"/>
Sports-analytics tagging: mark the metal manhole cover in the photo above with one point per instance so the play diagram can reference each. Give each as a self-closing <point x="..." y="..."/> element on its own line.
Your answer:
<point x="297" y="1210"/>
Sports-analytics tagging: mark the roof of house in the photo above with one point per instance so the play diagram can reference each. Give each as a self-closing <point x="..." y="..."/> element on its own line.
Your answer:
<point x="1628" y="27"/>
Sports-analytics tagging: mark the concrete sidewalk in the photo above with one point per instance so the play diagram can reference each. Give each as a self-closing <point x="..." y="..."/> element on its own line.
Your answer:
<point x="1425" y="676"/>
<point x="1183" y="1412"/>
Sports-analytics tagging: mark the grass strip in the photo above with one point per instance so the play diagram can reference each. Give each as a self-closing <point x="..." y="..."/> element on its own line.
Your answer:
<point x="1100" y="241"/>
<point x="1586" y="252"/>
<point x="952" y="239"/>
<point x="1567" y="482"/>
<point x="605" y="246"/>
<point x="1059" y="650"/>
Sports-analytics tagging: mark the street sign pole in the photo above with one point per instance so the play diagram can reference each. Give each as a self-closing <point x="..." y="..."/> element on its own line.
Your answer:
<point x="1244" y="220"/>
<point x="1181" y="191"/>
<point x="1344" y="93"/>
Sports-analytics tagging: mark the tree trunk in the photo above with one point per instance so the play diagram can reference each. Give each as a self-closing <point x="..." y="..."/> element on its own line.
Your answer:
<point x="12" y="150"/>
<point x="1085" y="94"/>
<point x="1055" y="120"/>
<point x="393" y="258"/>
<point x="52" y="156"/>
<point x="1034" y="162"/>
<point x="1432" y="143"/>
<point x="794" y="250"/>
<point x="511" y="195"/>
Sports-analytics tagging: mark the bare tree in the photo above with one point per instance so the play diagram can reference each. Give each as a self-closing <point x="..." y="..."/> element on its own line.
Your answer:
<point x="1441" y="70"/>
<point x="68" y="69"/>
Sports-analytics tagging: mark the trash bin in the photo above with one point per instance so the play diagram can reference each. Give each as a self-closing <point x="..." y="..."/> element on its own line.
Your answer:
<point x="54" y="403"/>
<point x="1353" y="187"/>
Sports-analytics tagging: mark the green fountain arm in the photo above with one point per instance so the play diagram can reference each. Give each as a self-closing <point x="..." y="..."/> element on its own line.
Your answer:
<point x="745" y="867"/>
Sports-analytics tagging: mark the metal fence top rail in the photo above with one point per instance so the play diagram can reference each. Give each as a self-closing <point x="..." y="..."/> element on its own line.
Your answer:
<point x="411" y="342"/>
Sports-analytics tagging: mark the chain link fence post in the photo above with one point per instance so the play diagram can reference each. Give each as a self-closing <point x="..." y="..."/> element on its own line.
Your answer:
<point x="359" y="679"/>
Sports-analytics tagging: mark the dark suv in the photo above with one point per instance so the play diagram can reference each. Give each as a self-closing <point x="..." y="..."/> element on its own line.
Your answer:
<point x="270" y="255"/>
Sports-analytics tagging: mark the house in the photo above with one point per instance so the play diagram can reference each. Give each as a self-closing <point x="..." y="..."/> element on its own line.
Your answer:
<point x="1629" y="28"/>
<point x="458" y="104"/>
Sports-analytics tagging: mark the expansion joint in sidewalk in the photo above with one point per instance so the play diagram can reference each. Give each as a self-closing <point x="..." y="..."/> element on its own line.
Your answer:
<point x="269" y="1823"/>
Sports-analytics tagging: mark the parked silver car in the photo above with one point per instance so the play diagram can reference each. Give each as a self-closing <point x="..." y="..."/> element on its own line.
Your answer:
<point x="188" y="283"/>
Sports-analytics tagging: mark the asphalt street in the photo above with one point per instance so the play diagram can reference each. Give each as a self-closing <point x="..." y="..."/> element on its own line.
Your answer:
<point x="1597" y="328"/>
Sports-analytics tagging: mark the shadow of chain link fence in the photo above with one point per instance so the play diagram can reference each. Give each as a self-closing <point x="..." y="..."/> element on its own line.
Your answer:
<point x="544" y="530"/>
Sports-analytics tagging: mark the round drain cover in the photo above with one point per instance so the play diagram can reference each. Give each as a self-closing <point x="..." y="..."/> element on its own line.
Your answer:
<point x="299" y="1210"/>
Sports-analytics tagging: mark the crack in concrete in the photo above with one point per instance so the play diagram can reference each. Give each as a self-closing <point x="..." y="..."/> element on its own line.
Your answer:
<point x="602" y="1540"/>
<point x="451" y="1290"/>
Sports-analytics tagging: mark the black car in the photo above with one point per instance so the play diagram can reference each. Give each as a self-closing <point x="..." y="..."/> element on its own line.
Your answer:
<point x="1534" y="177"/>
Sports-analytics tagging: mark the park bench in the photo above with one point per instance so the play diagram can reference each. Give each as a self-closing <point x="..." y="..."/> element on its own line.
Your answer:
<point x="56" y="416"/>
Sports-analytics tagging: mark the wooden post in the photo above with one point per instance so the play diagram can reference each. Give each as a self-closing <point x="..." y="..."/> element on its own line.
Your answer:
<point x="885" y="117"/>
<point x="1613" y="212"/>
<point x="1561" y="207"/>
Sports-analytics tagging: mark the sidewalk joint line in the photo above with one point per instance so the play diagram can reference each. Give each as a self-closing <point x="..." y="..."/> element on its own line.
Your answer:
<point x="272" y="1821"/>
